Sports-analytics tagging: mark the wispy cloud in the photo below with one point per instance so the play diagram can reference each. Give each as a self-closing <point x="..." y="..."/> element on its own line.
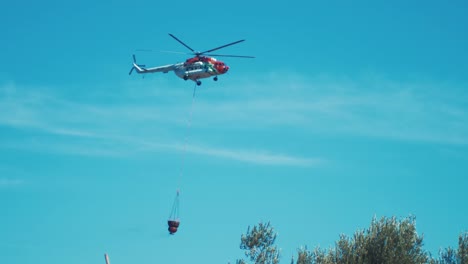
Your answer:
<point x="257" y="157"/>
<point x="140" y="120"/>
<point x="6" y="182"/>
<point x="372" y="107"/>
<point x="243" y="155"/>
<point x="109" y="130"/>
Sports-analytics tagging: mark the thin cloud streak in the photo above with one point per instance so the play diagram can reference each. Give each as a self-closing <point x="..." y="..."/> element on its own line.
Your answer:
<point x="6" y="182"/>
<point x="378" y="108"/>
<point x="99" y="140"/>
<point x="252" y="156"/>
<point x="123" y="147"/>
<point x="26" y="111"/>
<point x="245" y="155"/>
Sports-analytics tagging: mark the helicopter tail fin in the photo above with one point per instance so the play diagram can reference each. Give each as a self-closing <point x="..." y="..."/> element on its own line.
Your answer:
<point x="138" y="67"/>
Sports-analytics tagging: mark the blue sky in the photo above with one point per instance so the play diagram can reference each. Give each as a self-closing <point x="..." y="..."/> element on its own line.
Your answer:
<point x="349" y="111"/>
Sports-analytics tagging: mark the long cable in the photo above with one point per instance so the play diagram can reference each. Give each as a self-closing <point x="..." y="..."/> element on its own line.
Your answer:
<point x="175" y="208"/>
<point x="187" y="134"/>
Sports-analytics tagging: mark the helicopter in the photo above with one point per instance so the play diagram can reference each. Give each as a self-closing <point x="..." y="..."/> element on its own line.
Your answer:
<point x="195" y="68"/>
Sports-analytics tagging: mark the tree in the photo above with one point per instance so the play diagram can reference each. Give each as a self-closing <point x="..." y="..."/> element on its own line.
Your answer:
<point x="452" y="256"/>
<point x="304" y="256"/>
<point x="463" y="248"/>
<point x="447" y="256"/>
<point x="258" y="244"/>
<point x="387" y="240"/>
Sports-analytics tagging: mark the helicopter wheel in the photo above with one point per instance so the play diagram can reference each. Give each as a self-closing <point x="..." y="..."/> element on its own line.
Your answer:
<point x="198" y="83"/>
<point x="215" y="78"/>
<point x="185" y="77"/>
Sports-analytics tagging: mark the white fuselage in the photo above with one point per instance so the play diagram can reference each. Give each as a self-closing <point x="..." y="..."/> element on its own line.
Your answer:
<point x="195" y="71"/>
<point x="192" y="69"/>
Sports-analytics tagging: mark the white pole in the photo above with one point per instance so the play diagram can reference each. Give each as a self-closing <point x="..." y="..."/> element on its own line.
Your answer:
<point x="107" y="258"/>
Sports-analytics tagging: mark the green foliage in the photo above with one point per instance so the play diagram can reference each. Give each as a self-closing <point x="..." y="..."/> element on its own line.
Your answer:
<point x="304" y="256"/>
<point x="258" y="244"/>
<point x="387" y="240"/>
<point x="448" y="256"/>
<point x="452" y="256"/>
<point x="463" y="248"/>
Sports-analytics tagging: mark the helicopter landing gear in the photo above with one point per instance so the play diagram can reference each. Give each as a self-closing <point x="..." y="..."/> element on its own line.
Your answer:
<point x="198" y="82"/>
<point x="185" y="77"/>
<point x="215" y="78"/>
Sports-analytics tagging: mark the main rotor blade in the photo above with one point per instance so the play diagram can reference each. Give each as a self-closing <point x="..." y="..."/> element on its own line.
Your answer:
<point x="235" y="42"/>
<point x="165" y="51"/>
<point x="175" y="52"/>
<point x="234" y="56"/>
<point x="180" y="41"/>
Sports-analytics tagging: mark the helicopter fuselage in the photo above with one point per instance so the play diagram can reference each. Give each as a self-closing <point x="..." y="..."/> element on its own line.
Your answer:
<point x="194" y="68"/>
<point x="199" y="68"/>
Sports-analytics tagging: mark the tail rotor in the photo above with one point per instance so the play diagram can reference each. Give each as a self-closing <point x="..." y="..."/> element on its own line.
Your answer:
<point x="135" y="64"/>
